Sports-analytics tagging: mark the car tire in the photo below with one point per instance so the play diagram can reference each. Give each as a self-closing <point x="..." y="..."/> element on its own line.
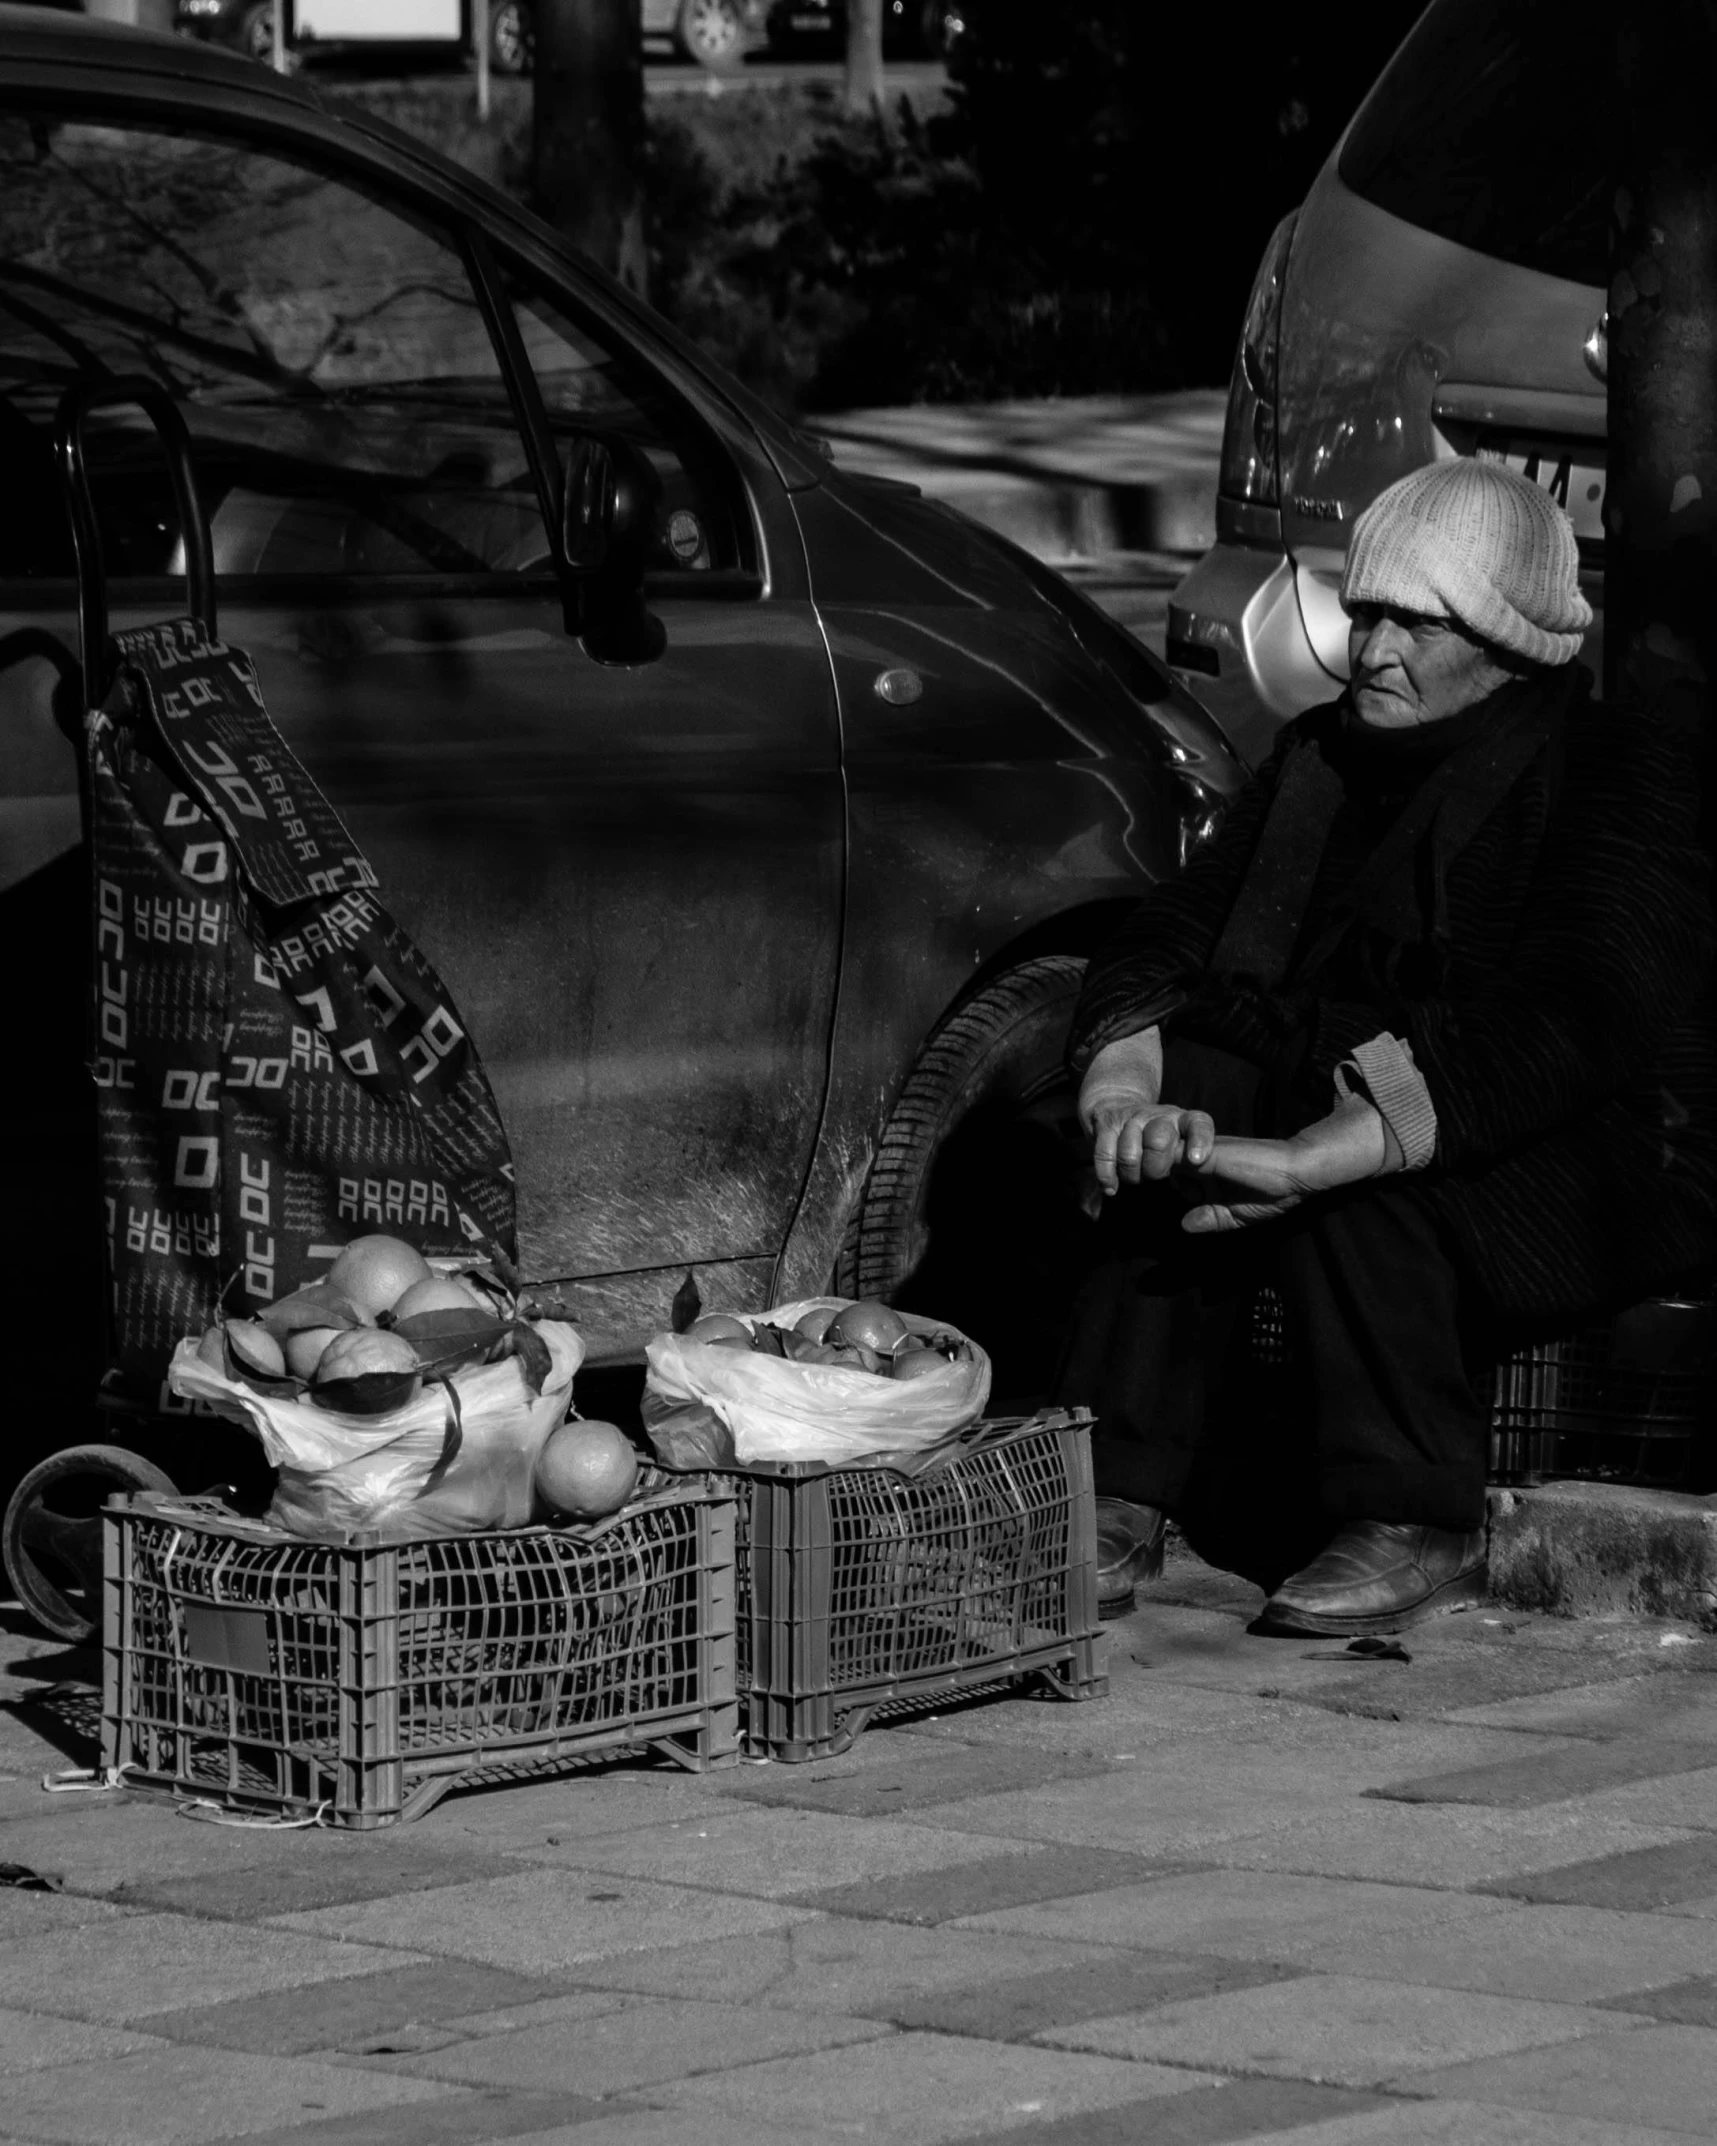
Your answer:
<point x="977" y="1207"/>
<point x="512" y="37"/>
<point x="712" y="32"/>
<point x="52" y="1533"/>
<point x="939" y="28"/>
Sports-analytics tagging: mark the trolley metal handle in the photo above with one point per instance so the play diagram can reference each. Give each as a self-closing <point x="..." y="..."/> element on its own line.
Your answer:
<point x="77" y="403"/>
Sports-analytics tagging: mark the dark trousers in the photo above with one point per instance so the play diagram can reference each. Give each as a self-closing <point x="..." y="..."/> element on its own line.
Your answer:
<point x="1367" y="1407"/>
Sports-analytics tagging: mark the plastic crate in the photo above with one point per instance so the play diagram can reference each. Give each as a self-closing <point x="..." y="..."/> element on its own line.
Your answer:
<point x="1632" y="1400"/>
<point x="361" y="1682"/>
<point x="861" y="1588"/>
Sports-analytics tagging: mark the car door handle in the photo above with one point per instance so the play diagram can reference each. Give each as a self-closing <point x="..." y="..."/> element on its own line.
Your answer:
<point x="900" y="688"/>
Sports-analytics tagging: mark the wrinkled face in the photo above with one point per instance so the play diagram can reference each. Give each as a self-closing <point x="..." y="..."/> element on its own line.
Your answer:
<point x="1410" y="669"/>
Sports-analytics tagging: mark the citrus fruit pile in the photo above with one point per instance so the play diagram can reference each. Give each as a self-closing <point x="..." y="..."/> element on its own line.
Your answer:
<point x="362" y="1339"/>
<point x="863" y="1334"/>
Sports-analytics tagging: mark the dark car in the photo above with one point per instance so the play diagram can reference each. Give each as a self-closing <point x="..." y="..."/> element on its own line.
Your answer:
<point x="754" y="933"/>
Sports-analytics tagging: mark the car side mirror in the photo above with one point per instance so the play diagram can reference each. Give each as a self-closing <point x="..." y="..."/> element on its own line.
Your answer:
<point x="609" y="517"/>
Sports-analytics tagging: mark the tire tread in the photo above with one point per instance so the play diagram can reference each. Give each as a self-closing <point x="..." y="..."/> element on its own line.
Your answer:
<point x="955" y="1053"/>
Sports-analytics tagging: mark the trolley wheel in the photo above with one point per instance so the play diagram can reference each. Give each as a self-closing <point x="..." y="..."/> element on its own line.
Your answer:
<point x="52" y="1536"/>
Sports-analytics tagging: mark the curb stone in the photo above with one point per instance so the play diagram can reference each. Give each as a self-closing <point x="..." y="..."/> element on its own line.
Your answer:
<point x="1604" y="1549"/>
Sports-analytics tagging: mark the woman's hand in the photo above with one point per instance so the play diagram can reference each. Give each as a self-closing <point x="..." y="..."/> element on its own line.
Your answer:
<point x="1259" y="1179"/>
<point x="1134" y="1136"/>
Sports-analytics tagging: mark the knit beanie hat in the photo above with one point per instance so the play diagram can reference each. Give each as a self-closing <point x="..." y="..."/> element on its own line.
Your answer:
<point x="1471" y="541"/>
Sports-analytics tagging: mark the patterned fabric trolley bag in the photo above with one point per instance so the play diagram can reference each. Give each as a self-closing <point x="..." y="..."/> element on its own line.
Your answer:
<point x="278" y="1068"/>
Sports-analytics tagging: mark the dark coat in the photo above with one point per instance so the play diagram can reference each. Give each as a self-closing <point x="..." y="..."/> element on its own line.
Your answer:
<point x="1563" y="1021"/>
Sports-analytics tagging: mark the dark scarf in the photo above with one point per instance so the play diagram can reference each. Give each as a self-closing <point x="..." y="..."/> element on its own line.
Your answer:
<point x="1449" y="778"/>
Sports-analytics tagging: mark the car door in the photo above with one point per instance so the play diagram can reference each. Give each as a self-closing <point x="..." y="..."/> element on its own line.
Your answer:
<point x="629" y="876"/>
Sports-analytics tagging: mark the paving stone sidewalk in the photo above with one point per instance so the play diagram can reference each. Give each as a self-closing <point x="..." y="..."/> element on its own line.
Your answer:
<point x="1267" y="1890"/>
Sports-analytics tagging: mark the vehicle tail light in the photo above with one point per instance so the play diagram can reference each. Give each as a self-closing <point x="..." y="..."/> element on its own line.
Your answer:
<point x="1249" y="436"/>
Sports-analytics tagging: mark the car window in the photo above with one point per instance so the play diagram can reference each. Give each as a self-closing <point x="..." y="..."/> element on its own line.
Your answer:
<point x="346" y="405"/>
<point x="586" y="387"/>
<point x="1488" y="128"/>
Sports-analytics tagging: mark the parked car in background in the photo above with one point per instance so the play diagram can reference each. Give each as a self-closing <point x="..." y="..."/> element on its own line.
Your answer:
<point x="1441" y="292"/>
<point x="761" y="931"/>
<point x="716" y="33"/>
<point x="918" y="29"/>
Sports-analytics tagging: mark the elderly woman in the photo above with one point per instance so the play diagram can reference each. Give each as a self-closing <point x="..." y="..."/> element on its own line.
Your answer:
<point x="1423" y="1041"/>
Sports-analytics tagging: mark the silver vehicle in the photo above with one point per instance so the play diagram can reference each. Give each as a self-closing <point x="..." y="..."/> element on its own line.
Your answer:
<point x="1439" y="293"/>
<point x="713" y="32"/>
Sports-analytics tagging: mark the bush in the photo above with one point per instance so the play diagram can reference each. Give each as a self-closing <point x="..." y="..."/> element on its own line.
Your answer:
<point x="1083" y="213"/>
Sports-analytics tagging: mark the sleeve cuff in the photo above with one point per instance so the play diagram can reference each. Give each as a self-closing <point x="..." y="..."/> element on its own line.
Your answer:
<point x="1385" y="1073"/>
<point x="1152" y="1013"/>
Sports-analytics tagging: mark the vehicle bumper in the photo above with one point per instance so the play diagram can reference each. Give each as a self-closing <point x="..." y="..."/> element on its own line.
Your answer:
<point x="1238" y="641"/>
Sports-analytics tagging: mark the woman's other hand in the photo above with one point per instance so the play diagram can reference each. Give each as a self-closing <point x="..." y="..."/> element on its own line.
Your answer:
<point x="1260" y="1179"/>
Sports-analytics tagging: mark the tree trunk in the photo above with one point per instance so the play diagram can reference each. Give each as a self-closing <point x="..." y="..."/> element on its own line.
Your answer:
<point x="1661" y="507"/>
<point x="863" y="92"/>
<point x="587" y="144"/>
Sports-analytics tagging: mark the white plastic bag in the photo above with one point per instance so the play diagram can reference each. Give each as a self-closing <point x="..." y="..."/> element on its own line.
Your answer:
<point x="777" y="1410"/>
<point x="340" y="1474"/>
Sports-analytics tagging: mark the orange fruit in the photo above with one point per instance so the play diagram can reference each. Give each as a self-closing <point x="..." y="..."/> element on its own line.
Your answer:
<point x="868" y="1324"/>
<point x="375" y="1272"/>
<point x="362" y="1350"/>
<point x="253" y="1348"/>
<point x="815" y="1324"/>
<point x="304" y="1347"/>
<point x="314" y="1305"/>
<point x="442" y="1292"/>
<point x="717" y="1331"/>
<point x="211" y="1350"/>
<point x="587" y="1469"/>
<point x="917" y="1363"/>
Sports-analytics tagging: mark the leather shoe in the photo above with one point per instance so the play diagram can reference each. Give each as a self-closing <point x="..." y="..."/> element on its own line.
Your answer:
<point x="1129" y="1549"/>
<point x="1380" y="1576"/>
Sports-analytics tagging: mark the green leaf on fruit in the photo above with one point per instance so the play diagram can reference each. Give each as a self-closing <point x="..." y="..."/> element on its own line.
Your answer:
<point x="535" y="1361"/>
<point x="369" y="1393"/>
<point x="447" y="1339"/>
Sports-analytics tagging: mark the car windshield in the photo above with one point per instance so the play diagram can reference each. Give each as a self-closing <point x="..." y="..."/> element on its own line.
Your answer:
<point x="1487" y="128"/>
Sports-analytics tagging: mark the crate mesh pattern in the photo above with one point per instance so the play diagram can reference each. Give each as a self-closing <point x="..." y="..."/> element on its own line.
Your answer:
<point x="860" y="1589"/>
<point x="1593" y="1406"/>
<point x="363" y="1681"/>
<point x="1631" y="1399"/>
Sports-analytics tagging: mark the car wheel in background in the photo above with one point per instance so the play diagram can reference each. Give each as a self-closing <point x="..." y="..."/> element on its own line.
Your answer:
<point x="712" y="32"/>
<point x="940" y="25"/>
<point x="977" y="1206"/>
<point x="256" y="33"/>
<point x="512" y="37"/>
<point x="52" y="1536"/>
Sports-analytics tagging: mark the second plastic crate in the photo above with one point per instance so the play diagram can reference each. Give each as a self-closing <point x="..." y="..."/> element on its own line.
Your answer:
<point x="360" y="1682"/>
<point x="861" y="1588"/>
<point x="1632" y="1399"/>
